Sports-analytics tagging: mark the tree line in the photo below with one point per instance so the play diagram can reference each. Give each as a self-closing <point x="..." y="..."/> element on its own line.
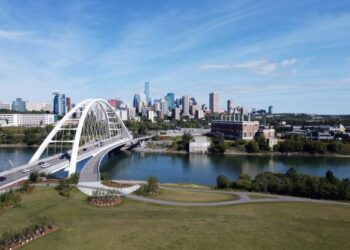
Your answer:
<point x="27" y="136"/>
<point x="292" y="183"/>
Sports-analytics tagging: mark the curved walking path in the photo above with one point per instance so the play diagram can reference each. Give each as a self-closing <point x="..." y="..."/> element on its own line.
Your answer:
<point x="243" y="199"/>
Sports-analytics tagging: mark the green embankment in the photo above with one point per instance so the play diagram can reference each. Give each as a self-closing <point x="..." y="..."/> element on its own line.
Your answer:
<point x="136" y="225"/>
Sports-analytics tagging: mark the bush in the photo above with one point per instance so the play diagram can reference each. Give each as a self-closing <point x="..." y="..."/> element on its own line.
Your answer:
<point x="151" y="188"/>
<point x="223" y="182"/>
<point x="252" y="147"/>
<point x="218" y="144"/>
<point x="262" y="143"/>
<point x="63" y="187"/>
<point x="33" y="177"/>
<point x="244" y="182"/>
<point x="10" y="198"/>
<point x="73" y="178"/>
<point x="105" y="176"/>
<point x="26" y="187"/>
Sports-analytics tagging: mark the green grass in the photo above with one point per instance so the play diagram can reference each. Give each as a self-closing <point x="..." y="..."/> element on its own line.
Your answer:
<point x="192" y="196"/>
<point x="136" y="225"/>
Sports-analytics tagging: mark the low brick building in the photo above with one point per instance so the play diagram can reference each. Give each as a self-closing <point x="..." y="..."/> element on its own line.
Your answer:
<point x="236" y="127"/>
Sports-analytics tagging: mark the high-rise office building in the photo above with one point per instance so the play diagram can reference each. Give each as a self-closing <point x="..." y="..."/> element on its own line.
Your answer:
<point x="19" y="105"/>
<point x="176" y="113"/>
<point x="270" y="110"/>
<point x="146" y="92"/>
<point x="185" y="106"/>
<point x="231" y="105"/>
<point x="59" y="103"/>
<point x="214" y="102"/>
<point x="170" y="99"/>
<point x="139" y="102"/>
<point x="68" y="104"/>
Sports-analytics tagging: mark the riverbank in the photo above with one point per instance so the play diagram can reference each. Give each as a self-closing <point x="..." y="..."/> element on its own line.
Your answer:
<point x="241" y="153"/>
<point x="20" y="145"/>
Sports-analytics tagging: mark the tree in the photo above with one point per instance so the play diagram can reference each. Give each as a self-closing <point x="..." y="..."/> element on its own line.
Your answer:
<point x="218" y="144"/>
<point x="263" y="144"/>
<point x="33" y="177"/>
<point x="223" y="182"/>
<point x="252" y="147"/>
<point x="185" y="142"/>
<point x="335" y="147"/>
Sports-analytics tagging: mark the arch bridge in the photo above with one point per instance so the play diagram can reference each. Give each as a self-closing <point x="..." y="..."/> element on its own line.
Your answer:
<point x="91" y="127"/>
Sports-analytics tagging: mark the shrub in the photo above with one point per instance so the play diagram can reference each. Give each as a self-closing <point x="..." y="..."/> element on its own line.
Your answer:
<point x="10" y="198"/>
<point x="218" y="144"/>
<point x="223" y="182"/>
<point x="262" y="143"/>
<point x="105" y="176"/>
<point x="26" y="187"/>
<point x="244" y="182"/>
<point x="73" y="178"/>
<point x="252" y="147"/>
<point x="33" y="177"/>
<point x="152" y="187"/>
<point x="63" y="187"/>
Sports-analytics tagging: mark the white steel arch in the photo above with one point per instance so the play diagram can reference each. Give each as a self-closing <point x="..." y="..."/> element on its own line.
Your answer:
<point x="91" y="122"/>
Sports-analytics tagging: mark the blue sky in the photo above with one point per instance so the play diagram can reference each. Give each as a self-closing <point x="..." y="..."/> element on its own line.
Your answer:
<point x="294" y="55"/>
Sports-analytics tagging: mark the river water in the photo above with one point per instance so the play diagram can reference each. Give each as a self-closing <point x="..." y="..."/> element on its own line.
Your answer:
<point x="203" y="169"/>
<point x="193" y="168"/>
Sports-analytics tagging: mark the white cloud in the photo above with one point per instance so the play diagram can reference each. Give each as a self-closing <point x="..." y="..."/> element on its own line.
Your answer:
<point x="262" y="67"/>
<point x="289" y="62"/>
<point x="5" y="34"/>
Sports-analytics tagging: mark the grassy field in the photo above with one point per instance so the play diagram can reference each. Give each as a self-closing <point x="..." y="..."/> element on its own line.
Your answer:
<point x="192" y="196"/>
<point x="135" y="225"/>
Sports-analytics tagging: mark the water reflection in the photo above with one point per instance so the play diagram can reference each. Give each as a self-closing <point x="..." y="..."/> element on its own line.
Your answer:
<point x="205" y="168"/>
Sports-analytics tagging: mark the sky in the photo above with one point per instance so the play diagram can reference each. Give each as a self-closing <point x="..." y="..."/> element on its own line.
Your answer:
<point x="294" y="55"/>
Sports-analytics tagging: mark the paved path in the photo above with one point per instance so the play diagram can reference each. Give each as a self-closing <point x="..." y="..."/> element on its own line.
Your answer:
<point x="243" y="199"/>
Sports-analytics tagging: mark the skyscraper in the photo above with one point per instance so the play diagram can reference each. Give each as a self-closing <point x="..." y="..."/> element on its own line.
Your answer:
<point x="270" y="110"/>
<point x="147" y="96"/>
<point x="170" y="99"/>
<point x="185" y="106"/>
<point x="59" y="103"/>
<point x="139" y="102"/>
<point x="19" y="105"/>
<point x="214" y="102"/>
<point x="68" y="103"/>
<point x="230" y="106"/>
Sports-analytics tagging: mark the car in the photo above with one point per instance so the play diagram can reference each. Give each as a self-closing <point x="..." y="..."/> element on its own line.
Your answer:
<point x="64" y="156"/>
<point x="2" y="178"/>
<point x="26" y="170"/>
<point x="45" y="165"/>
<point x="41" y="163"/>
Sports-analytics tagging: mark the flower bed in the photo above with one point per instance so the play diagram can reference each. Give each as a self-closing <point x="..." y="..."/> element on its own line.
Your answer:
<point x="104" y="201"/>
<point x="15" y="239"/>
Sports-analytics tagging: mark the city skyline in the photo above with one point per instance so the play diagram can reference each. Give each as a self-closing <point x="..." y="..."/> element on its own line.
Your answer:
<point x="259" y="54"/>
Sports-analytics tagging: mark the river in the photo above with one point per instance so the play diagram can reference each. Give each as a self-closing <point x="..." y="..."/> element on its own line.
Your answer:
<point x="201" y="169"/>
